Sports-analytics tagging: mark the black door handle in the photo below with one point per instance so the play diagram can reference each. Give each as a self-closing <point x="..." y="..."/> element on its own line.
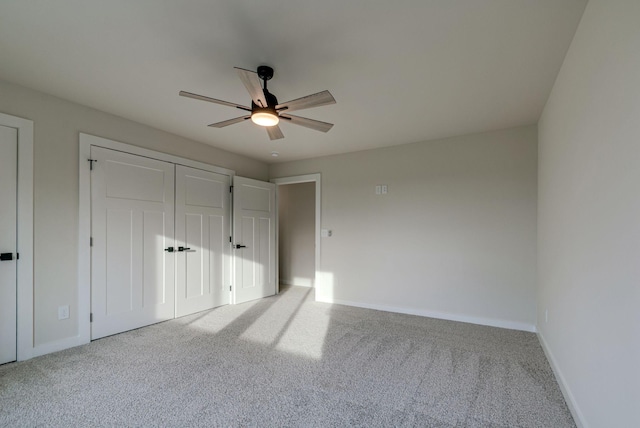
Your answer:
<point x="6" y="257"/>
<point x="170" y="249"/>
<point x="241" y="246"/>
<point x="183" y="248"/>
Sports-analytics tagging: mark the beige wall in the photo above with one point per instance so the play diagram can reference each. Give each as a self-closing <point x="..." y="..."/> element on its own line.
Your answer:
<point x="454" y="237"/>
<point x="296" y="236"/>
<point x="589" y="217"/>
<point x="57" y="124"/>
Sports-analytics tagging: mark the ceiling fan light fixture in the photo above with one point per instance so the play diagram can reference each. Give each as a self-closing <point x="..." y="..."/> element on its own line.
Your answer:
<point x="265" y="118"/>
<point x="265" y="107"/>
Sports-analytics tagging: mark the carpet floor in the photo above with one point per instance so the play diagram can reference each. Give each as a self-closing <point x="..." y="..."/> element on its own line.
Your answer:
<point x="289" y="361"/>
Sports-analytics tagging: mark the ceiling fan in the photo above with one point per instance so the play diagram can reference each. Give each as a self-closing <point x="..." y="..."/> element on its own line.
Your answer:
<point x="265" y="110"/>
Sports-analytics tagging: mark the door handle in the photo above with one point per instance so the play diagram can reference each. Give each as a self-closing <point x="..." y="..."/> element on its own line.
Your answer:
<point x="183" y="248"/>
<point x="169" y="250"/>
<point x="6" y="257"/>
<point x="241" y="246"/>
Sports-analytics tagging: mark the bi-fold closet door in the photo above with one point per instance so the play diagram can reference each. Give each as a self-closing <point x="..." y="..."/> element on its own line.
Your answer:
<point x="254" y="233"/>
<point x="160" y="241"/>
<point x="203" y="232"/>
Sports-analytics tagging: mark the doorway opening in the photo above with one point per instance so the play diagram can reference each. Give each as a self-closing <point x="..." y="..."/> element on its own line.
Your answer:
<point x="298" y="230"/>
<point x="296" y="235"/>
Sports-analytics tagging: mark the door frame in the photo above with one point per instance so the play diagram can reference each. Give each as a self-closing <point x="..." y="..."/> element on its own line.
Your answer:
<point x="24" y="333"/>
<point x="84" y="214"/>
<point x="307" y="178"/>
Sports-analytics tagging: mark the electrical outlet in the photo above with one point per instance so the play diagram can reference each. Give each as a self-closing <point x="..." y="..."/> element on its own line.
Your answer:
<point x="63" y="312"/>
<point x="384" y="189"/>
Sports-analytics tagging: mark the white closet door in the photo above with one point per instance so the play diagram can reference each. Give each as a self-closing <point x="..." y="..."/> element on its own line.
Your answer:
<point x="254" y="218"/>
<point x="133" y="276"/>
<point x="8" y="242"/>
<point x="202" y="240"/>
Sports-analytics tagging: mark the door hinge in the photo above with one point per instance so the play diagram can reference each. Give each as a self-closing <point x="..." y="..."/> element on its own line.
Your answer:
<point x="230" y="189"/>
<point x="91" y="317"/>
<point x="17" y="256"/>
<point x="230" y="240"/>
<point x="91" y="241"/>
<point x="91" y="161"/>
<point x="229" y="288"/>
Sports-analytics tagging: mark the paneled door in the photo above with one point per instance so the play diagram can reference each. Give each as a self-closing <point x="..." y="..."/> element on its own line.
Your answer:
<point x="8" y="242"/>
<point x="132" y="229"/>
<point x="254" y="214"/>
<point x="203" y="244"/>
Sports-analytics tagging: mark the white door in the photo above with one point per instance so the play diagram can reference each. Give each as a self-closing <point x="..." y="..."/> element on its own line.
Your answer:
<point x="132" y="213"/>
<point x="254" y="211"/>
<point x="202" y="240"/>
<point x="8" y="242"/>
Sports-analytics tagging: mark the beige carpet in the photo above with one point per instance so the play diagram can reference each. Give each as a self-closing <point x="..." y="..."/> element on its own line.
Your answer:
<point x="289" y="361"/>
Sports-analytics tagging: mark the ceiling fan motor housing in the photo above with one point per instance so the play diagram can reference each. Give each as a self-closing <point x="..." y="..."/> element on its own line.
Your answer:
<point x="265" y="72"/>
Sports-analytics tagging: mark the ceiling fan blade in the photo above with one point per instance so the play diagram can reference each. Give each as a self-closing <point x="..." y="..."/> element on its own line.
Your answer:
<point x="212" y="100"/>
<point x="314" y="100"/>
<point x="275" y="133"/>
<point x="308" y="123"/>
<point x="229" y="122"/>
<point x="252" y="82"/>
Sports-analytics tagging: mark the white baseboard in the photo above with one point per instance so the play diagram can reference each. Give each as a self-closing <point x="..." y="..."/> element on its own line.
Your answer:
<point x="511" y="325"/>
<point x="56" y="346"/>
<point x="292" y="282"/>
<point x="578" y="417"/>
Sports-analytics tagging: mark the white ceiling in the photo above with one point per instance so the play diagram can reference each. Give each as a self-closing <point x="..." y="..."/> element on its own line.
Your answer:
<point x="401" y="71"/>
